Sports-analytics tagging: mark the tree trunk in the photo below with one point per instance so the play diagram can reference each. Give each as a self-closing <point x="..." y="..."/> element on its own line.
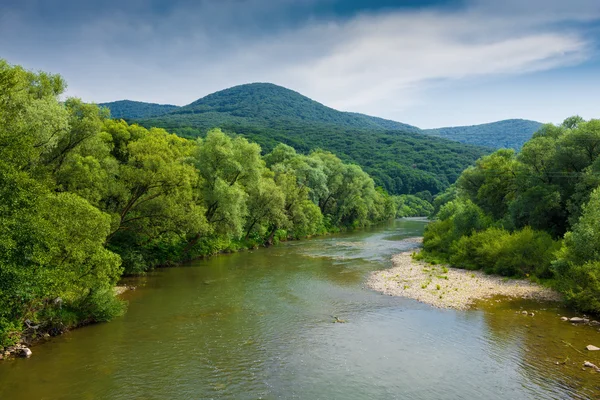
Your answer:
<point x="271" y="237"/>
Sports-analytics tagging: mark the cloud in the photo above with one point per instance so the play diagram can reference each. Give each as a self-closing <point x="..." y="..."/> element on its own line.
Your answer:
<point x="376" y="58"/>
<point x="377" y="63"/>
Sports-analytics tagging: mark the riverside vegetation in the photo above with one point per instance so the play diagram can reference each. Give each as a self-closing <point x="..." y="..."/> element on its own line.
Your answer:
<point x="85" y="199"/>
<point x="533" y="214"/>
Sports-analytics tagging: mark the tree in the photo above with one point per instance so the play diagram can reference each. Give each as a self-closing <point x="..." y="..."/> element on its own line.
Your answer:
<point x="152" y="197"/>
<point x="491" y="183"/>
<point x="578" y="263"/>
<point x="266" y="202"/>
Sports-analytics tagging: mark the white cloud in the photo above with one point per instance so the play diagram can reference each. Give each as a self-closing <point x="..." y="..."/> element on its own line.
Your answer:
<point x="373" y="63"/>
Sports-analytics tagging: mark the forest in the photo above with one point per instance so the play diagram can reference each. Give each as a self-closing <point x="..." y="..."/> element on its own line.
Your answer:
<point x="398" y="156"/>
<point x="86" y="199"/>
<point x="127" y="109"/>
<point x="534" y="214"/>
<point x="508" y="134"/>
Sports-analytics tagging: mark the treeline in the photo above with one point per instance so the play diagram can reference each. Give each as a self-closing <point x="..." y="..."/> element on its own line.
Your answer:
<point x="85" y="199"/>
<point x="509" y="134"/>
<point x="533" y="214"/>
<point x="268" y="115"/>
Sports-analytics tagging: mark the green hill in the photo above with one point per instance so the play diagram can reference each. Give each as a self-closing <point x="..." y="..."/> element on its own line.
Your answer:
<point x="399" y="158"/>
<point x="127" y="109"/>
<point x="510" y="133"/>
<point x="266" y="103"/>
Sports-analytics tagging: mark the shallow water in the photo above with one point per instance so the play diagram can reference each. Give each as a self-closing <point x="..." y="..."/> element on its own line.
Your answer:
<point x="260" y="325"/>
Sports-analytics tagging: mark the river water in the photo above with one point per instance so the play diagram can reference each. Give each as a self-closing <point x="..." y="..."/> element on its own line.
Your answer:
<point x="259" y="324"/>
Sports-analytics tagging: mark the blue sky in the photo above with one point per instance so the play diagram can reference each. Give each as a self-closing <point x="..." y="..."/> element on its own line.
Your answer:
<point x="427" y="63"/>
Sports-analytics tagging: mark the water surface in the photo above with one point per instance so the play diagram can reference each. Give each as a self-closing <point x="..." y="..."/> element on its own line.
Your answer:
<point x="259" y="324"/>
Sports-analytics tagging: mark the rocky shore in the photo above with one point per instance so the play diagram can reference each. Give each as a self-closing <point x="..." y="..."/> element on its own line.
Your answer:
<point x="18" y="350"/>
<point x="445" y="287"/>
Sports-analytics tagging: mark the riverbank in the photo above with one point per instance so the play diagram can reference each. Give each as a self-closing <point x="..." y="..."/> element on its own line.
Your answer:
<point x="445" y="287"/>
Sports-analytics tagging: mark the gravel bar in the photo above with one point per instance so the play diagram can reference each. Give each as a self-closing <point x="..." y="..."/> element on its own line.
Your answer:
<point x="445" y="287"/>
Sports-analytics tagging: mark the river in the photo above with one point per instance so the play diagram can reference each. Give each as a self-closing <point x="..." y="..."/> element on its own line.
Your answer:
<point x="259" y="325"/>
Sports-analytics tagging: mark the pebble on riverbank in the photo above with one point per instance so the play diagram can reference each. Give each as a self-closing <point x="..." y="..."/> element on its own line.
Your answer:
<point x="447" y="287"/>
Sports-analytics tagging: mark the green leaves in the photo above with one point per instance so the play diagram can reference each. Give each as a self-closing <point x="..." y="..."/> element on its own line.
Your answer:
<point x="85" y="199"/>
<point x="507" y="210"/>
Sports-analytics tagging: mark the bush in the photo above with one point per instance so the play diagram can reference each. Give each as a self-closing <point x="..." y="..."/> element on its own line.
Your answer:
<point x="456" y="219"/>
<point x="100" y="306"/>
<point x="495" y="250"/>
<point x="580" y="285"/>
<point x="10" y="332"/>
<point x="438" y="238"/>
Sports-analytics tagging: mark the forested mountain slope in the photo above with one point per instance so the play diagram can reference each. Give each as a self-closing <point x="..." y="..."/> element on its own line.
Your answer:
<point x="398" y="157"/>
<point x="510" y="133"/>
<point x="127" y="109"/>
<point x="266" y="103"/>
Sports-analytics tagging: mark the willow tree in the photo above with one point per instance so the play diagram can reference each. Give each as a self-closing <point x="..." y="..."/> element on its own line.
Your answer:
<point x="152" y="197"/>
<point x="51" y="242"/>
<point x="227" y="168"/>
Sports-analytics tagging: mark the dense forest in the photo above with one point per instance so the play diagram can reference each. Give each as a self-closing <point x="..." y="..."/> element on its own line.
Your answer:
<point x="128" y="109"/>
<point x="508" y="134"/>
<point x="397" y="156"/>
<point x="85" y="199"/>
<point x="533" y="214"/>
<point x="262" y="104"/>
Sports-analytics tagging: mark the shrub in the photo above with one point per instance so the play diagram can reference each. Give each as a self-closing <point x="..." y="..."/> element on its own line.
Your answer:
<point x="580" y="285"/>
<point x="10" y="332"/>
<point x="495" y="250"/>
<point x="100" y="306"/>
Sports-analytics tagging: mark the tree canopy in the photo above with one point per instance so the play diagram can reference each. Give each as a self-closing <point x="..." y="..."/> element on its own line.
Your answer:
<point x="398" y="156"/>
<point x="535" y="213"/>
<point x="85" y="199"/>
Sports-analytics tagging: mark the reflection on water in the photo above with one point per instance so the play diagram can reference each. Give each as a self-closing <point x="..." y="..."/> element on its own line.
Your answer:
<point x="260" y="324"/>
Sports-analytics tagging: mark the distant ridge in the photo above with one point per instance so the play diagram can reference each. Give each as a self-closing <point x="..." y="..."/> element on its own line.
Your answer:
<point x="128" y="109"/>
<point x="510" y="133"/>
<point x="262" y="103"/>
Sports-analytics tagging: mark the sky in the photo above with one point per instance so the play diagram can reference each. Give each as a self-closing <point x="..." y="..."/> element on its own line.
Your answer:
<point x="428" y="63"/>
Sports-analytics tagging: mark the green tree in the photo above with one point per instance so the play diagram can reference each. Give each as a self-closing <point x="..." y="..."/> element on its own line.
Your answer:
<point x="152" y="199"/>
<point x="491" y="183"/>
<point x="266" y="202"/>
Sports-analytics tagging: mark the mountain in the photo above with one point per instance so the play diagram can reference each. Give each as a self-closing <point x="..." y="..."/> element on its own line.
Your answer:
<point x="510" y="133"/>
<point x="264" y="103"/>
<point x="398" y="156"/>
<point x="261" y="104"/>
<point x="127" y="109"/>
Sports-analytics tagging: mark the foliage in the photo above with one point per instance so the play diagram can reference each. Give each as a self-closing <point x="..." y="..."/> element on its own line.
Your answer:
<point x="127" y="109"/>
<point x="412" y="206"/>
<point x="517" y="254"/>
<point x="529" y="201"/>
<point x="578" y="262"/>
<point x="85" y="199"/>
<point x="268" y="115"/>
<point x="52" y="242"/>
